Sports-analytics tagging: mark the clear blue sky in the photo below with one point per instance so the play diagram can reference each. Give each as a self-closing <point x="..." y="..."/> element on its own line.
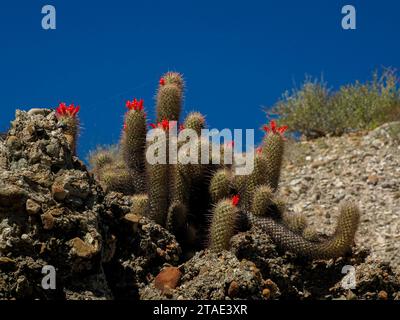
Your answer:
<point x="237" y="56"/>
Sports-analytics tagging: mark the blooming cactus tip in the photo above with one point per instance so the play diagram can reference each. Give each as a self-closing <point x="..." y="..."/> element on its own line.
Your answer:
<point x="235" y="200"/>
<point x="274" y="129"/>
<point x="69" y="111"/>
<point x="164" y="125"/>
<point x="135" y="104"/>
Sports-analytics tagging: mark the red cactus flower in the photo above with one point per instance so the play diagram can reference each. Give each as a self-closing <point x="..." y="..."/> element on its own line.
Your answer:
<point x="135" y="104"/>
<point x="162" y="81"/>
<point x="70" y="111"/>
<point x="272" y="128"/>
<point x="259" y="150"/>
<point x="181" y="127"/>
<point x="235" y="200"/>
<point x="164" y="124"/>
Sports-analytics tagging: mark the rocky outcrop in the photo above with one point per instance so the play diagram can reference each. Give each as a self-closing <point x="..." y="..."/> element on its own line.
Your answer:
<point x="53" y="213"/>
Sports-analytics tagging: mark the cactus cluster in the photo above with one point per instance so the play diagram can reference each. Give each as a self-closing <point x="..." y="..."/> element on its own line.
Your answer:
<point x="171" y="193"/>
<point x="261" y="205"/>
<point x="180" y="196"/>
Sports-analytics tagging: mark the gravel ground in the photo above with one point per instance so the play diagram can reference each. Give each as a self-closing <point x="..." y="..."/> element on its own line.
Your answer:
<point x="363" y="167"/>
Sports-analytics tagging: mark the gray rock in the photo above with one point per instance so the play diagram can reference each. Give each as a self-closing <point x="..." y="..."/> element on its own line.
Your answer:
<point x="52" y="212"/>
<point x="38" y="111"/>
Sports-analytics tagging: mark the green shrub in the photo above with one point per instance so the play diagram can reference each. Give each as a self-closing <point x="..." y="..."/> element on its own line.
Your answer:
<point x="314" y="110"/>
<point x="394" y="132"/>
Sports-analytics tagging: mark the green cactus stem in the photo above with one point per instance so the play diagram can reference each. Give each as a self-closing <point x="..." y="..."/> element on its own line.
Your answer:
<point x="133" y="143"/>
<point x="102" y="157"/>
<point x="247" y="184"/>
<point x="69" y="122"/>
<point x="272" y="150"/>
<point x="195" y="121"/>
<point x="169" y="97"/>
<point x="296" y="222"/>
<point x="140" y="204"/>
<point x="115" y="177"/>
<point x="262" y="200"/>
<point x="158" y="192"/>
<point x="220" y="185"/>
<point x="223" y="223"/>
<point x="335" y="246"/>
